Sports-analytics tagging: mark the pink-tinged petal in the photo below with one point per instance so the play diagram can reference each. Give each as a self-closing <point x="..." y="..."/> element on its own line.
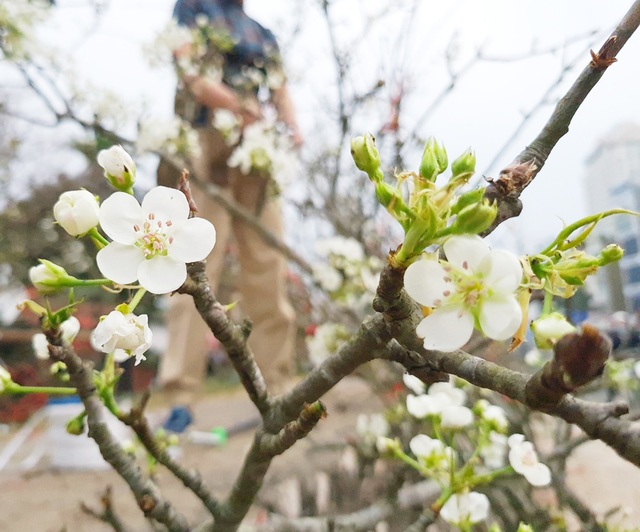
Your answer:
<point x="466" y="251"/>
<point x="501" y="270"/>
<point x="446" y="329"/>
<point x="500" y="317"/>
<point x="166" y="204"/>
<point x="162" y="275"/>
<point x="193" y="240"/>
<point x="119" y="262"/>
<point x="119" y="214"/>
<point x="425" y="282"/>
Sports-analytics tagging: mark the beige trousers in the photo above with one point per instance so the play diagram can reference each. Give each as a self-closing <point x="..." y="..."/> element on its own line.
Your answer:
<point x="262" y="284"/>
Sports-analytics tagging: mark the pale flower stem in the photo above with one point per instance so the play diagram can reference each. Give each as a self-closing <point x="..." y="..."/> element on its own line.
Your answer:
<point x="49" y="390"/>
<point x="136" y="299"/>
<point x="547" y="307"/>
<point x="97" y="238"/>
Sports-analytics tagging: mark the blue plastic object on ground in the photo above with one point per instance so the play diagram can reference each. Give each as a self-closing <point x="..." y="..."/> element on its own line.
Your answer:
<point x="179" y="419"/>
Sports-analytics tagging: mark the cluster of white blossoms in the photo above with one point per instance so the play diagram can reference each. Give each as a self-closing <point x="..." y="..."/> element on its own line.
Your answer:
<point x="173" y="136"/>
<point x="228" y="124"/>
<point x="18" y="19"/>
<point x="151" y="243"/>
<point x="474" y="287"/>
<point x="265" y="151"/>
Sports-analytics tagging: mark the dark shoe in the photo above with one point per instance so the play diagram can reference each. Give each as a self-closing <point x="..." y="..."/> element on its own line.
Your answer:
<point x="179" y="419"/>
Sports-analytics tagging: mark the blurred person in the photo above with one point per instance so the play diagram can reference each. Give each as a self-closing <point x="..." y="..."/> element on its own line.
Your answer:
<point x="247" y="89"/>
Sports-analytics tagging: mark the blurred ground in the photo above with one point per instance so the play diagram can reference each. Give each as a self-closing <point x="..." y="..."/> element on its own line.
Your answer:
<point x="47" y="500"/>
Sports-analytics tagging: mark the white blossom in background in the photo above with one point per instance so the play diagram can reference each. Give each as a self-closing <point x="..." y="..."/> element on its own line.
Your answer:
<point x="76" y="211"/>
<point x="493" y="413"/>
<point x="475" y="286"/>
<point x="172" y="135"/>
<point x="494" y="454"/>
<point x="228" y="124"/>
<point x="326" y="340"/>
<point x="464" y="509"/>
<point x="441" y="396"/>
<point x="456" y="417"/>
<point x="327" y="276"/>
<point x="123" y="335"/>
<point x="431" y="452"/>
<point x="69" y="329"/>
<point x="371" y="428"/>
<point x="94" y="102"/>
<point x="18" y="20"/>
<point x="265" y="151"/>
<point x="347" y="249"/>
<point x="524" y="460"/>
<point x="173" y="36"/>
<point x="152" y="241"/>
<point x="414" y="383"/>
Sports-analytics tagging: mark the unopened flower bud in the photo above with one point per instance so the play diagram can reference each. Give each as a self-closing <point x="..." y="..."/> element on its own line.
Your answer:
<point x="434" y="160"/>
<point x="48" y="277"/>
<point x="465" y="165"/>
<point x="387" y="446"/>
<point x="612" y="253"/>
<point x="522" y="527"/>
<point x="5" y="379"/>
<point x="366" y="156"/>
<point x="466" y="199"/>
<point x="475" y="218"/>
<point x="77" y="212"/>
<point x="119" y="168"/>
<point x="549" y="329"/>
<point x="76" y="426"/>
<point x="57" y="368"/>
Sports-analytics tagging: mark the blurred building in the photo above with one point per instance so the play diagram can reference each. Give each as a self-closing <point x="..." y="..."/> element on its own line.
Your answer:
<point x="613" y="181"/>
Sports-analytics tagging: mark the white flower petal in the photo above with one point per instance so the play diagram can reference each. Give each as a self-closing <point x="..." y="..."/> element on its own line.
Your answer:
<point x="162" y="275"/>
<point x="500" y="317"/>
<point x="414" y="383"/>
<point x="471" y="507"/>
<point x="456" y="417"/>
<point x="166" y="204"/>
<point x="119" y="213"/>
<point x="193" y="240"/>
<point x="538" y="475"/>
<point x="425" y="282"/>
<point x="466" y="251"/>
<point x="501" y="270"/>
<point x="446" y="329"/>
<point x="120" y="263"/>
<point x="424" y="446"/>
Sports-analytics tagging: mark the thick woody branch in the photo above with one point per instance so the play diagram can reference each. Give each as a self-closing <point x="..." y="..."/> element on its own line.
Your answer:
<point x="506" y="189"/>
<point x="191" y="479"/>
<point x="144" y="490"/>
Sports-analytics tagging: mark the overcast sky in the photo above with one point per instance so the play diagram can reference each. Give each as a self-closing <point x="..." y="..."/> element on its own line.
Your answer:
<point x="482" y="112"/>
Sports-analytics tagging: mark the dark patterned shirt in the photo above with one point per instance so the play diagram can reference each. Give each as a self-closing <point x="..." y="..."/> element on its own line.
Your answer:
<point x="254" y="52"/>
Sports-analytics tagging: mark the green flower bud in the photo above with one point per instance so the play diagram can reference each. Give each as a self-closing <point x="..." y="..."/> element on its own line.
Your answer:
<point x="5" y="379"/>
<point x="434" y="160"/>
<point x="475" y="218"/>
<point x="76" y="425"/>
<point x="466" y="199"/>
<point x="548" y="330"/>
<point x="522" y="527"/>
<point x="48" y="277"/>
<point x="612" y="253"/>
<point x="366" y="156"/>
<point x="465" y="165"/>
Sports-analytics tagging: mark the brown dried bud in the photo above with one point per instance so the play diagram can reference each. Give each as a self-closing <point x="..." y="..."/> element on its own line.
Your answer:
<point x="515" y="178"/>
<point x="581" y="356"/>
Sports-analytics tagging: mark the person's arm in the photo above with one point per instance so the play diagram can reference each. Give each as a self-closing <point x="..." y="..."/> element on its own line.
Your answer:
<point x="216" y="95"/>
<point x="286" y="112"/>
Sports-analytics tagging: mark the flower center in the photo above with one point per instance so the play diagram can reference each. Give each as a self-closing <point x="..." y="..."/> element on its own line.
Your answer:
<point x="469" y="288"/>
<point x="152" y="237"/>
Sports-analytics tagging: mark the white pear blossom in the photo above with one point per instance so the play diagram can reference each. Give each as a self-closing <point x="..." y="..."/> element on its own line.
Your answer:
<point x="414" y="383"/>
<point x="123" y="335"/>
<point x="228" y="124"/>
<point x="347" y="247"/>
<point x="463" y="509"/>
<point x="69" y="329"/>
<point x="328" y="277"/>
<point x="423" y="446"/>
<point x="524" y="460"/>
<point x="118" y="165"/>
<point x="456" y="417"/>
<point x="153" y="241"/>
<point x="441" y="395"/>
<point x="474" y="287"/>
<point x="371" y="428"/>
<point x="493" y="413"/>
<point x="76" y="211"/>
<point x="494" y="453"/>
<point x="47" y="277"/>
